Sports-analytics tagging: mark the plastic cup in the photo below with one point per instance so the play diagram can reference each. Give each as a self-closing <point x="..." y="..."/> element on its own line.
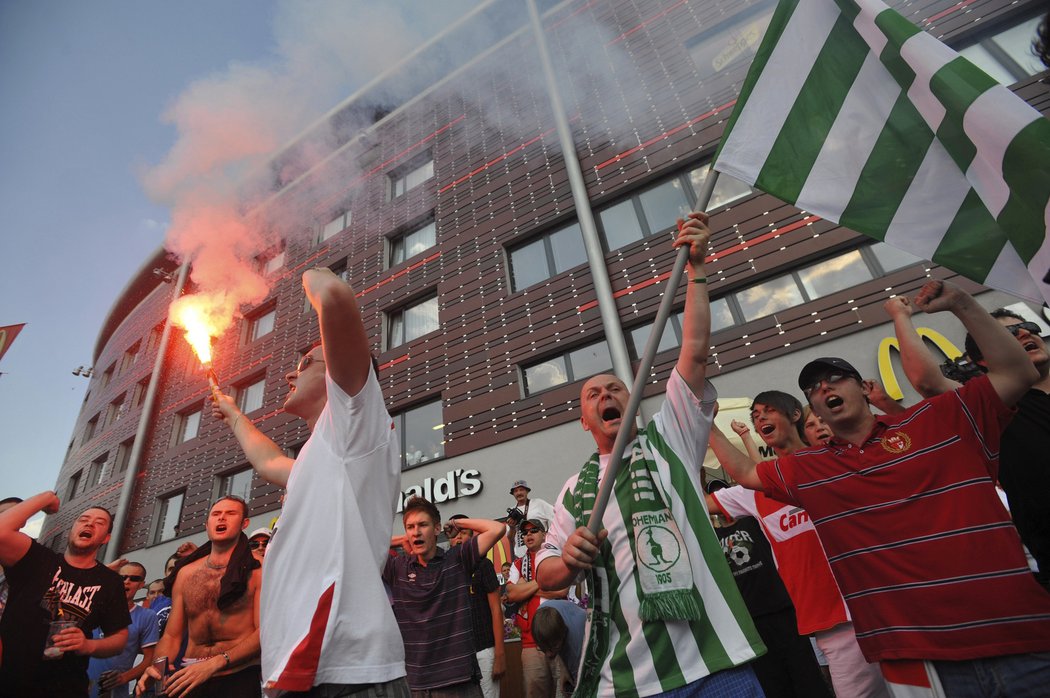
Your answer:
<point x="160" y="665"/>
<point x="53" y="628"/>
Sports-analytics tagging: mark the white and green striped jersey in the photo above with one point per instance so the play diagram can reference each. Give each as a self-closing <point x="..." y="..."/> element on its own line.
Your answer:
<point x="653" y="657"/>
<point x="853" y="113"/>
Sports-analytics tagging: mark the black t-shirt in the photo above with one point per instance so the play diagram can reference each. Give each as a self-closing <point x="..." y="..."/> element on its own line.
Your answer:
<point x="41" y="583"/>
<point x="483" y="582"/>
<point x="1024" y="473"/>
<point x="754" y="569"/>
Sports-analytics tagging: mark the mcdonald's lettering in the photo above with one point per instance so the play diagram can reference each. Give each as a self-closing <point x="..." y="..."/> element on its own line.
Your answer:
<point x="886" y="373"/>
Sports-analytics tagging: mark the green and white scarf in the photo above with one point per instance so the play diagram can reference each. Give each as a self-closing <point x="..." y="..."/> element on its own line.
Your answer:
<point x="663" y="576"/>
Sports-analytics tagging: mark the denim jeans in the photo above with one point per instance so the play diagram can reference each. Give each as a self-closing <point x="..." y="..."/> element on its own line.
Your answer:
<point x="1009" y="676"/>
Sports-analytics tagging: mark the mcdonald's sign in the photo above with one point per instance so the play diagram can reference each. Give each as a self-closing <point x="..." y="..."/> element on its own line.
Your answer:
<point x="886" y="373"/>
<point x="7" y="336"/>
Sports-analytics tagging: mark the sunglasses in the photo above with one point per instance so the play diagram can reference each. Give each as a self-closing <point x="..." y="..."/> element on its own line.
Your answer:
<point x="304" y="363"/>
<point x="530" y="529"/>
<point x="830" y="379"/>
<point x="133" y="577"/>
<point x="256" y="544"/>
<point x="1029" y="327"/>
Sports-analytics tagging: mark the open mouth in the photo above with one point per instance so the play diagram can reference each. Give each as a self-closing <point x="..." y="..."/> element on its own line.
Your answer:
<point x="221" y="528"/>
<point x="610" y="413"/>
<point x="1030" y="346"/>
<point x="84" y="535"/>
<point x="833" y="402"/>
<point x="417" y="543"/>
<point x="767" y="429"/>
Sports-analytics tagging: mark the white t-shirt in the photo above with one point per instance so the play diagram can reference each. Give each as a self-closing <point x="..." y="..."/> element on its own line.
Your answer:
<point x="325" y="613"/>
<point x="538" y="509"/>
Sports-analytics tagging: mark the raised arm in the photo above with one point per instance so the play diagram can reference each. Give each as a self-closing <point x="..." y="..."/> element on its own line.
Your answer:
<point x="13" y="543"/>
<point x="919" y="365"/>
<point x="696" y="318"/>
<point x="737" y="464"/>
<point x="744" y="432"/>
<point x="488" y="532"/>
<point x="265" y="456"/>
<point x="1010" y="370"/>
<point x="347" y="353"/>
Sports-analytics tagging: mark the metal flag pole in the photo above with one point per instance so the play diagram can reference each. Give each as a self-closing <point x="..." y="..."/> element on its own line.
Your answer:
<point x="645" y="364"/>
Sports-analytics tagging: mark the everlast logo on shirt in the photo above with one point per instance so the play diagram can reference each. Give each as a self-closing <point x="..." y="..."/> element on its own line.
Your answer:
<point x="71" y="594"/>
<point x="897" y="442"/>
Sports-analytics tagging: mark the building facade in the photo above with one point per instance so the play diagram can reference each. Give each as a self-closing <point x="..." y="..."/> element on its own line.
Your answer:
<point x="444" y="197"/>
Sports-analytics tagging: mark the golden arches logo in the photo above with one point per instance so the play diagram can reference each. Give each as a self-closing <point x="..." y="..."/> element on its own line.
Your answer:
<point x="886" y="372"/>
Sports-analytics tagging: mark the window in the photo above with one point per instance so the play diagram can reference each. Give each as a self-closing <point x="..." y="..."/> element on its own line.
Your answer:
<point x="727" y="189"/>
<point x="769" y="297"/>
<point x="546" y="256"/>
<point x="729" y="46"/>
<point x="335" y="226"/>
<point x="835" y="274"/>
<point x="421" y="433"/>
<point x="414" y="321"/>
<point x="891" y="258"/>
<point x="1006" y="55"/>
<point x="656" y="209"/>
<point x="107" y="375"/>
<point x="261" y="324"/>
<point x="74" y="485"/>
<point x="186" y="426"/>
<point x="90" y="429"/>
<point x="140" y="391"/>
<point x="116" y="409"/>
<point x="250" y="396"/>
<point x="403" y="180"/>
<point x="123" y="455"/>
<point x="272" y="261"/>
<point x="169" y="511"/>
<point x="340" y="269"/>
<point x="569" y="367"/>
<point x="153" y="340"/>
<point x="97" y="469"/>
<point x="130" y="356"/>
<point x="239" y="484"/>
<point x="412" y="243"/>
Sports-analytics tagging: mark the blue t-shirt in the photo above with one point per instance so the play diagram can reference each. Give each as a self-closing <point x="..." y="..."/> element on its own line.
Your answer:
<point x="143" y="632"/>
<point x="575" y="621"/>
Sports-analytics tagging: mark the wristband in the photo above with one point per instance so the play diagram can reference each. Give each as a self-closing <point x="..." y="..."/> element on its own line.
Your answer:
<point x="699" y="280"/>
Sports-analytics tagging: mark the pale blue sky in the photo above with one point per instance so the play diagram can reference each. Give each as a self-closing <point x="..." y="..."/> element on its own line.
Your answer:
<point x="83" y="87"/>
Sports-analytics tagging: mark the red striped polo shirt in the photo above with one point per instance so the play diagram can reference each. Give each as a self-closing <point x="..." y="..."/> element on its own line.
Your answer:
<point x="922" y="548"/>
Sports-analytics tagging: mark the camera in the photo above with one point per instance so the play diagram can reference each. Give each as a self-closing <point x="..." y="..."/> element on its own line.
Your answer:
<point x="515" y="517"/>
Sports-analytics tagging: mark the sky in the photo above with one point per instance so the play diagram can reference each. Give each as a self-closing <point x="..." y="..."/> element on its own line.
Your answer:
<point x="98" y="105"/>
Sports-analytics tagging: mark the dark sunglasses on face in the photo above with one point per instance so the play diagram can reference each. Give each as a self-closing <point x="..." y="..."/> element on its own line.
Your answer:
<point x="830" y="379"/>
<point x="256" y="544"/>
<point x="304" y="363"/>
<point x="133" y="577"/>
<point x="1029" y="327"/>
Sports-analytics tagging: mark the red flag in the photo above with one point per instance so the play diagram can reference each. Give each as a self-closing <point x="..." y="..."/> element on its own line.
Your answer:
<point x="7" y="336"/>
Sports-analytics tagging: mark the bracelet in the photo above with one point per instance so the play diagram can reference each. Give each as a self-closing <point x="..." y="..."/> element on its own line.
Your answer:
<point x="699" y="280"/>
<point x="227" y="658"/>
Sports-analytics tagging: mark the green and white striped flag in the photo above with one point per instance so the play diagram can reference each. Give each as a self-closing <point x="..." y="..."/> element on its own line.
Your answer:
<point x="853" y="113"/>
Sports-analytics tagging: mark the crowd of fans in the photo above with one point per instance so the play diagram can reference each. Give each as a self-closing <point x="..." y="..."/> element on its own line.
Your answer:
<point x="880" y="535"/>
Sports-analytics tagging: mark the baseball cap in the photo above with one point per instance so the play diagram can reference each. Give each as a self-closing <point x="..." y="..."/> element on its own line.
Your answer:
<point x="535" y="523"/>
<point x="261" y="532"/>
<point x="823" y="365"/>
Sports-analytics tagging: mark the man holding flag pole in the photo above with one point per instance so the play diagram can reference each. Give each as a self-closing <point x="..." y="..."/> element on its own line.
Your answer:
<point x="666" y="616"/>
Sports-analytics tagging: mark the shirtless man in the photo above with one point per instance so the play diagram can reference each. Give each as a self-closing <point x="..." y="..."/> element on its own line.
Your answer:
<point x="222" y="657"/>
